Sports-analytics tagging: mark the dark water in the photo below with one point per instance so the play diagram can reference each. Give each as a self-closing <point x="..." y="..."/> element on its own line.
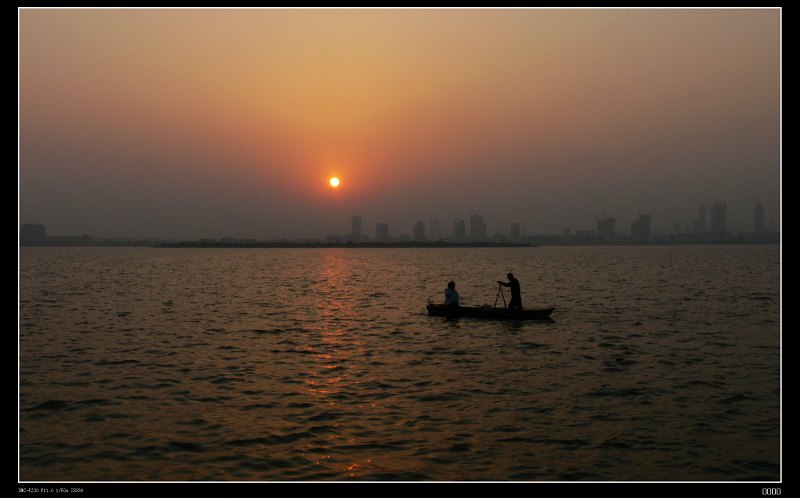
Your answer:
<point x="661" y="363"/>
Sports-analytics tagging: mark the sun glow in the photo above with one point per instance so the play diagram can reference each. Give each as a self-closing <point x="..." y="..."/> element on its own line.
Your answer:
<point x="334" y="182"/>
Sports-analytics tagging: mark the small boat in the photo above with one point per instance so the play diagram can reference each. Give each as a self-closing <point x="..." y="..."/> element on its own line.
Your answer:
<point x="489" y="312"/>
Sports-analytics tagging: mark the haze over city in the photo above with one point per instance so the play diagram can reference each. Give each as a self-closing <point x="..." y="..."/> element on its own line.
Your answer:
<point x="187" y="123"/>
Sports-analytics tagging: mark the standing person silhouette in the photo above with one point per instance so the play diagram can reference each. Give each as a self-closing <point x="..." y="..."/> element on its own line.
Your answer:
<point x="516" y="297"/>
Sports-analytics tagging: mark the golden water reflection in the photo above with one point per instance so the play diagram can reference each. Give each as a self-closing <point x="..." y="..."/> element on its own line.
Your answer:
<point x="330" y="383"/>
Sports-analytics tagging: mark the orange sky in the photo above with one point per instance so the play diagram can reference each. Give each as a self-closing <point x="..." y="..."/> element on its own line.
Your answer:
<point x="211" y="122"/>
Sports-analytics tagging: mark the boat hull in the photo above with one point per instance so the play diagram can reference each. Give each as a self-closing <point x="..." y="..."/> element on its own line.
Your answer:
<point x="489" y="313"/>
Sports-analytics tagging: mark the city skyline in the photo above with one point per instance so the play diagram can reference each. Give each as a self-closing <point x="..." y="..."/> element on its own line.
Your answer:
<point x="191" y="123"/>
<point x="604" y="232"/>
<point x="765" y="220"/>
<point x="606" y="227"/>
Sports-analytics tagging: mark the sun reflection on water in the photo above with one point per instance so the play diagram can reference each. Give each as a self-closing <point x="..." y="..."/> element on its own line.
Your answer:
<point x="331" y="383"/>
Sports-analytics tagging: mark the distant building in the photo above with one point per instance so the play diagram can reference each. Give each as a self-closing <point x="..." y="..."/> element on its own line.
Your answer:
<point x="758" y="224"/>
<point x="719" y="219"/>
<point x="515" y="232"/>
<point x="640" y="229"/>
<point x="676" y="228"/>
<point x="459" y="230"/>
<point x="356" y="235"/>
<point x="419" y="232"/>
<point x="477" y="228"/>
<point x="382" y="232"/>
<point x="606" y="228"/>
<point x="31" y="234"/>
<point x="699" y="223"/>
<point x="434" y="230"/>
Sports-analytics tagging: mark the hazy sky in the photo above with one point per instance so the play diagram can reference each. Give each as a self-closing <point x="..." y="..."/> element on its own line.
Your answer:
<point x="182" y="123"/>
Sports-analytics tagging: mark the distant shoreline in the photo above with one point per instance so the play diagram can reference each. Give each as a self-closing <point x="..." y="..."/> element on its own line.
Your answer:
<point x="375" y="245"/>
<point x="332" y="245"/>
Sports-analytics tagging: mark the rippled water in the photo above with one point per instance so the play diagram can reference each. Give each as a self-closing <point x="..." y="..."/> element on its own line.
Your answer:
<point x="660" y="363"/>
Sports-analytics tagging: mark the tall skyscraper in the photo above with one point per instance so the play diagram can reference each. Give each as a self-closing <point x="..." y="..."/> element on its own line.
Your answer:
<point x="606" y="228"/>
<point x="419" y="232"/>
<point x="477" y="228"/>
<point x="719" y="218"/>
<point x="699" y="223"/>
<point x="382" y="232"/>
<point x="459" y="230"/>
<point x="758" y="225"/>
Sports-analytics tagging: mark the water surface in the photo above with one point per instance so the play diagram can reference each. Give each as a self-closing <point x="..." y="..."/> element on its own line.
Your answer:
<point x="660" y="363"/>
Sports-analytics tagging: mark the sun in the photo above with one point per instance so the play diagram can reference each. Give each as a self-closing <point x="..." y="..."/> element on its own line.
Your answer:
<point x="334" y="182"/>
